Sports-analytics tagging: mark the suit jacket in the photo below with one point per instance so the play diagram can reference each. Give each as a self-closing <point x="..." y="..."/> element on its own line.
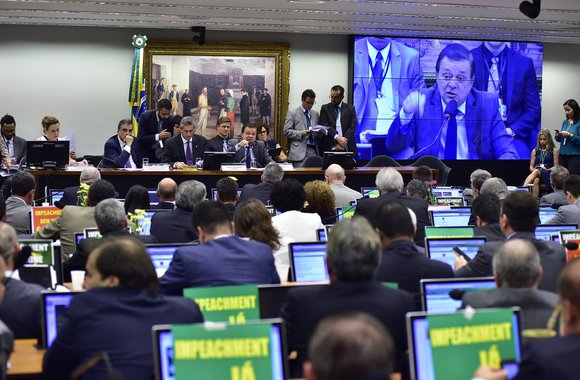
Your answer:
<point x="367" y="207"/>
<point x="306" y="306"/>
<point x="260" y="191"/>
<point x="406" y="76"/>
<point x="294" y="124"/>
<point x="114" y="152"/>
<point x="148" y="128"/>
<point x="520" y="95"/>
<point x="550" y="358"/>
<point x="70" y="196"/>
<point x="20" y="308"/>
<point x="343" y="194"/>
<point x="558" y="197"/>
<point x="163" y="206"/>
<point x="552" y="258"/>
<point x="118" y="321"/>
<point x="347" y="122"/>
<point x="18" y="215"/>
<point x="537" y="305"/>
<point x="487" y="138"/>
<point x="569" y="214"/>
<point x="216" y="144"/>
<point x="173" y="226"/>
<point x="73" y="219"/>
<point x="223" y="261"/>
<point x="491" y="231"/>
<point x="174" y="150"/>
<point x="19" y="148"/>
<point x="404" y="265"/>
<point x="258" y="149"/>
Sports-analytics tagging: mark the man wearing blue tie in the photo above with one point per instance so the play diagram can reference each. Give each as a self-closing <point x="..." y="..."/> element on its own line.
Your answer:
<point x="183" y="150"/>
<point x="451" y="120"/>
<point x="297" y="129"/>
<point x="249" y="150"/>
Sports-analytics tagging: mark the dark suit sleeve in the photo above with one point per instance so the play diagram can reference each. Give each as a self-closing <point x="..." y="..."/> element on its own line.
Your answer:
<point x="529" y="116"/>
<point x="351" y="128"/>
<point x="174" y="281"/>
<point x="144" y="135"/>
<point x="290" y="312"/>
<point x="401" y="136"/>
<point x="112" y="152"/>
<point x="530" y="366"/>
<point x="169" y="153"/>
<point x="478" y="267"/>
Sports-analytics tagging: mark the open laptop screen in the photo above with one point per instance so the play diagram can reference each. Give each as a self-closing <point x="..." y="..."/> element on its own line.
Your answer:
<point x="454" y="216"/>
<point x="161" y="255"/>
<point x="308" y="262"/>
<point x="546" y="231"/>
<point x="547" y="213"/>
<point x="54" y="314"/>
<point x="443" y="191"/>
<point x="444" y="295"/>
<point x="441" y="249"/>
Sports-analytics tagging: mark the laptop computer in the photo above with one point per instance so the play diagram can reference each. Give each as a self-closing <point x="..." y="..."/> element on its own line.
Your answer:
<point x="163" y="354"/>
<point x="547" y="213"/>
<point x="453" y="216"/>
<point x="444" y="295"/>
<point x="145" y="224"/>
<point x="546" y="231"/>
<point x="453" y="231"/>
<point x="447" y="191"/>
<point x="441" y="249"/>
<point x="511" y="189"/>
<point x="54" y="307"/>
<point x="371" y="192"/>
<point x="308" y="262"/>
<point x="55" y="195"/>
<point x="91" y="232"/>
<point x="420" y="353"/>
<point x="161" y="255"/>
<point x="214" y="160"/>
<point x="214" y="193"/>
<point x="321" y="234"/>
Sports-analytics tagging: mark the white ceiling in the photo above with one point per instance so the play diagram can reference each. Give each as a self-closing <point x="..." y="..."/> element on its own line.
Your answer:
<point x="559" y="20"/>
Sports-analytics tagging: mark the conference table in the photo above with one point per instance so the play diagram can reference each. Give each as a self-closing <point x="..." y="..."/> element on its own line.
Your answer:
<point x="123" y="179"/>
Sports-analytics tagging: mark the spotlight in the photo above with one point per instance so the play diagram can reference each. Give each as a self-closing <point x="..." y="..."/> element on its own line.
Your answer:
<point x="530" y="9"/>
<point x="200" y="39"/>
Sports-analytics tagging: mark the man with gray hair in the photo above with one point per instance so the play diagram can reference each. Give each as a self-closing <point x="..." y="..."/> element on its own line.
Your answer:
<point x="558" y="175"/>
<point x="343" y="195"/>
<point x="175" y="226"/>
<point x="495" y="185"/>
<point x="390" y="184"/>
<point x="111" y="222"/>
<point x="353" y="253"/>
<point x="517" y="272"/>
<point x="183" y="150"/>
<point x="272" y="174"/>
<point x="20" y="309"/>
<point x="89" y="175"/>
<point x="19" y="203"/>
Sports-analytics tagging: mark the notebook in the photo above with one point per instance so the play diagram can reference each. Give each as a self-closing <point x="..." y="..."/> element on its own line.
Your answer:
<point x="453" y="216"/>
<point x="308" y="262"/>
<point x="441" y="249"/>
<point x="443" y="295"/>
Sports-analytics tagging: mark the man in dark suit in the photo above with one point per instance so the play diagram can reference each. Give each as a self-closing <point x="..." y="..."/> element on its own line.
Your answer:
<point x="111" y="222"/>
<point x="558" y="177"/>
<point x="272" y="174"/>
<point x="175" y="226"/>
<point x="155" y="125"/>
<point x="512" y="78"/>
<point x="227" y="194"/>
<point x="518" y="220"/>
<point x="517" y="272"/>
<point x="115" y="315"/>
<point x="570" y="213"/>
<point x="341" y="118"/>
<point x="20" y="309"/>
<point x="221" y="258"/>
<point x="390" y="184"/>
<point x="220" y="143"/>
<point x="16" y="145"/>
<point x="89" y="175"/>
<point x="353" y="254"/>
<point x="183" y="150"/>
<point x="166" y="193"/>
<point x="402" y="263"/>
<point x="249" y="150"/>
<point x="18" y="205"/>
<point x="486" y="209"/>
<point x="121" y="151"/>
<point x="429" y="124"/>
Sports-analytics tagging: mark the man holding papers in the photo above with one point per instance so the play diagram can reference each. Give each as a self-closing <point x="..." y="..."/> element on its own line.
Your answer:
<point x="297" y="128"/>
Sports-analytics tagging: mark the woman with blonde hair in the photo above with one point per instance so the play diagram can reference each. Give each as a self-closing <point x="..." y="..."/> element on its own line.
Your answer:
<point x="544" y="157"/>
<point x="320" y="200"/>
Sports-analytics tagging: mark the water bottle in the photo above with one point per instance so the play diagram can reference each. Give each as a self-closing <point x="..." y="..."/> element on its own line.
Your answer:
<point x="253" y="164"/>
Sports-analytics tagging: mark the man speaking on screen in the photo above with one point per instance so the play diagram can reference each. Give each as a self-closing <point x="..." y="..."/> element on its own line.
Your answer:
<point x="451" y="120"/>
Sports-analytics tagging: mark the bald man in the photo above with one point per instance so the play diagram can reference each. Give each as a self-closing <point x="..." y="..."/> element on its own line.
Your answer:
<point x="343" y="194"/>
<point x="166" y="193"/>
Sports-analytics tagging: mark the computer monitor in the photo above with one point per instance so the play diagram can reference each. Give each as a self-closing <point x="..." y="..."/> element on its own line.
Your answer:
<point x="214" y="160"/>
<point x="153" y="197"/>
<point x="453" y="216"/>
<point x="547" y="213"/>
<point x="161" y="255"/>
<point x="145" y="224"/>
<point x="91" y="232"/>
<point x="308" y="262"/>
<point x="55" y="195"/>
<point x="47" y="154"/>
<point x="78" y="237"/>
<point x="441" y="249"/>
<point x="346" y="212"/>
<point x="444" y="295"/>
<point x="546" y="231"/>
<point x="371" y="192"/>
<point x="446" y="232"/>
<point x="420" y="352"/>
<point x="344" y="159"/>
<point x="321" y="234"/>
<point x="511" y="189"/>
<point x="447" y="191"/>
<point x="54" y="307"/>
<point x="214" y="193"/>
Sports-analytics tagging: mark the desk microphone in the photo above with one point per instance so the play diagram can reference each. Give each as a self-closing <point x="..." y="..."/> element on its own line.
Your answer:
<point x="457" y="294"/>
<point x="47" y="197"/>
<point x="572" y="245"/>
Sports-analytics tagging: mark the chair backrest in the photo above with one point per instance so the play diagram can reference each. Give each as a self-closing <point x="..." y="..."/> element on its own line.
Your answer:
<point x="383" y="160"/>
<point x="312" y="162"/>
<point x="435" y="163"/>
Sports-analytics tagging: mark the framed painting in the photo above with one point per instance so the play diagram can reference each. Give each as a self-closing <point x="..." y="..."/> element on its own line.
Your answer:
<point x="244" y="81"/>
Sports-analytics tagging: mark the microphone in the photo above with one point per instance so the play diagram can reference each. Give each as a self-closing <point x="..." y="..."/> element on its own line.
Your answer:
<point x="48" y="197"/>
<point x="457" y="294"/>
<point x="571" y="245"/>
<point x="450" y="110"/>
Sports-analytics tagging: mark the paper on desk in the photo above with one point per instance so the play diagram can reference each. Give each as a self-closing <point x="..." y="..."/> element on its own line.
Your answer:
<point x="319" y="128"/>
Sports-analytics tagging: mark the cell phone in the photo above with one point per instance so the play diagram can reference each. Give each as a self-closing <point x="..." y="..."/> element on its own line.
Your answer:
<point x="459" y="252"/>
<point x="511" y="367"/>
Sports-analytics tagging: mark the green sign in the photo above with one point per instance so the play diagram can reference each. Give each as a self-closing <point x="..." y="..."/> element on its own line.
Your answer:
<point x="347" y="212"/>
<point x="460" y="344"/>
<point x="41" y="252"/>
<point x="219" y="351"/>
<point x="448" y="232"/>
<point x="232" y="304"/>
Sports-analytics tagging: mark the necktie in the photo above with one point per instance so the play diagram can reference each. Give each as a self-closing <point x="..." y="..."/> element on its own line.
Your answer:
<point x="248" y="157"/>
<point x="451" y="139"/>
<point x="128" y="163"/>
<point x="10" y="146"/>
<point x="188" y="155"/>
<point x="493" y="84"/>
<point x="378" y="72"/>
<point x="225" y="144"/>
<point x="308" y="125"/>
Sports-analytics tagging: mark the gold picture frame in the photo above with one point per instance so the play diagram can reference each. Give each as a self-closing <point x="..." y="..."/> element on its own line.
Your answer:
<point x="220" y="65"/>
